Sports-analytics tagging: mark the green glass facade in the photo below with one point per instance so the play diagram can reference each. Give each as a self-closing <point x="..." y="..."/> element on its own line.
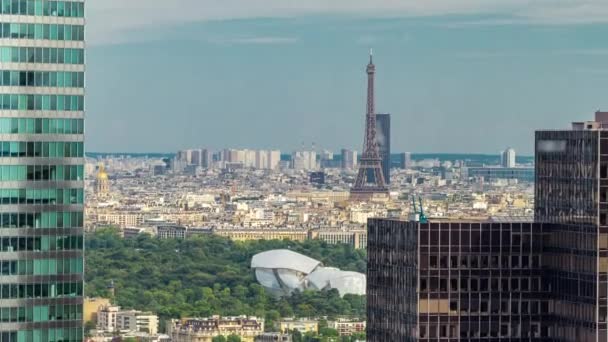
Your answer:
<point x="41" y="170"/>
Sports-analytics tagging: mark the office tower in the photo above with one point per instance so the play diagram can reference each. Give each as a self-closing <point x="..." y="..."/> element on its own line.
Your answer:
<point x="383" y="140"/>
<point x="274" y="159"/>
<point x="42" y="166"/>
<point x="327" y="160"/>
<point x="304" y="160"/>
<point x="571" y="194"/>
<point x="507" y="158"/>
<point x="206" y="158"/>
<point x="196" y="157"/>
<point x="456" y="281"/>
<point x="261" y="159"/>
<point x="349" y="159"/>
<point x="544" y="279"/>
<point x="184" y="156"/>
<point x="370" y="179"/>
<point x="406" y="160"/>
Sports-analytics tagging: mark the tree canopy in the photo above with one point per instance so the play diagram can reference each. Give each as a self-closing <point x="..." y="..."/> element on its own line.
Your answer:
<point x="209" y="275"/>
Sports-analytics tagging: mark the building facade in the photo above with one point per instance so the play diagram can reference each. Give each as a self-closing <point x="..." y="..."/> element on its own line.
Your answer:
<point x="92" y="306"/>
<point x="383" y="139"/>
<point x="112" y="319"/>
<point x="347" y="327"/>
<point x="134" y="320"/>
<point x="349" y="159"/>
<point x="543" y="280"/>
<point x="406" y="160"/>
<point x="302" y="325"/>
<point x="42" y="169"/>
<point x="507" y="158"/>
<point x="521" y="174"/>
<point x="205" y="329"/>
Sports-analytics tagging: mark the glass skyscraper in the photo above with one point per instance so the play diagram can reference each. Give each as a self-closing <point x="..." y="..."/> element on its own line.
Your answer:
<point x="41" y="170"/>
<point x="544" y="279"/>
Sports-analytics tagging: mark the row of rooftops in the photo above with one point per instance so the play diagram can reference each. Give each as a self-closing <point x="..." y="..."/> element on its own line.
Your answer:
<point x="600" y="122"/>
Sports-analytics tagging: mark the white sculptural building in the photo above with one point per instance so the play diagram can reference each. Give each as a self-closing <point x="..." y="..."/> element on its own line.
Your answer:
<point x="282" y="271"/>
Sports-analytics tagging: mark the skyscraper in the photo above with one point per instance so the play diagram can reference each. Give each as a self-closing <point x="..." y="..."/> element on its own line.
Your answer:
<point x="406" y="160"/>
<point x="544" y="279"/>
<point x="349" y="159"/>
<point x="41" y="215"/>
<point x="304" y="160"/>
<point x="383" y="140"/>
<point x="507" y="158"/>
<point x="196" y="157"/>
<point x="206" y="158"/>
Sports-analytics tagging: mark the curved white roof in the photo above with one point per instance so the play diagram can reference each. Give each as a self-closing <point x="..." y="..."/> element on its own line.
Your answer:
<point x="319" y="279"/>
<point x="290" y="279"/>
<point x="285" y="259"/>
<point x="349" y="283"/>
<point x="282" y="271"/>
<point x="267" y="278"/>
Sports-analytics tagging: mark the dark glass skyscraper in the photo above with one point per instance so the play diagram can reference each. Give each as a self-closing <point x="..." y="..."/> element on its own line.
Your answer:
<point x="41" y="170"/>
<point x="543" y="280"/>
<point x="383" y="139"/>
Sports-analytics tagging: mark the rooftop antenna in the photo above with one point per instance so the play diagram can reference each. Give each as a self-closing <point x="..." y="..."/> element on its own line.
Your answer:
<point x="371" y="54"/>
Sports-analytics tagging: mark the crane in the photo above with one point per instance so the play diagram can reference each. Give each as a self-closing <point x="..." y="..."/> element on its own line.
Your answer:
<point x="422" y="217"/>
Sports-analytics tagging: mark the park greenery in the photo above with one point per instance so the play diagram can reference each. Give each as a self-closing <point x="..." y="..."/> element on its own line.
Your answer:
<point x="209" y="275"/>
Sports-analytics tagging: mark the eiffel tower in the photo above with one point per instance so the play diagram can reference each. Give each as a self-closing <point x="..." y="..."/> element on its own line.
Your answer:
<point x="370" y="180"/>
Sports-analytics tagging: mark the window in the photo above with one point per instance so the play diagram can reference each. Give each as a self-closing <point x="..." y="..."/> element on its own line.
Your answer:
<point x="433" y="261"/>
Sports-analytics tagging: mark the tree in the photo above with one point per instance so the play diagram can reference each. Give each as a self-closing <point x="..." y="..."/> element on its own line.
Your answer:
<point x="219" y="339"/>
<point x="233" y="338"/>
<point x="271" y="318"/>
<point x="209" y="275"/>
<point x="328" y="332"/>
<point x="88" y="326"/>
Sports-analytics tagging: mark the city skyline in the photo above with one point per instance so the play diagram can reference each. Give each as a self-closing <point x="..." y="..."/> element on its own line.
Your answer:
<point x="300" y="80"/>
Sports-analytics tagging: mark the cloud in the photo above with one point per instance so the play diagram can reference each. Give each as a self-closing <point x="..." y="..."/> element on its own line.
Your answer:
<point x="261" y="40"/>
<point x="509" y="53"/>
<point x="113" y="20"/>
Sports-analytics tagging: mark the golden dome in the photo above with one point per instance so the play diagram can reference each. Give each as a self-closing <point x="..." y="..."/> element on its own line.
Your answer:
<point x="101" y="174"/>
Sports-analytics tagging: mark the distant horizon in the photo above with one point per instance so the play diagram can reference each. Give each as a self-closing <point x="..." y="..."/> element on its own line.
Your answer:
<point x="335" y="153"/>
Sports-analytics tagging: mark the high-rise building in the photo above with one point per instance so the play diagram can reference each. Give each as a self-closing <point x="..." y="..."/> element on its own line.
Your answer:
<point x="304" y="160"/>
<point x="274" y="159"/>
<point x="196" y="157"/>
<point x="42" y="170"/>
<point x="383" y="140"/>
<point x="258" y="159"/>
<point x="349" y="159"/>
<point x="206" y="158"/>
<point x="544" y="279"/>
<point x="406" y="160"/>
<point x="507" y="158"/>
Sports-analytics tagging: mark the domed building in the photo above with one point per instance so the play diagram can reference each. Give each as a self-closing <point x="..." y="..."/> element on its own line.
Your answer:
<point x="102" y="183"/>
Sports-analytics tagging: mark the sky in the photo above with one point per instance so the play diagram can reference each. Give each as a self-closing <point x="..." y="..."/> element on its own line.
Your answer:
<point x="467" y="76"/>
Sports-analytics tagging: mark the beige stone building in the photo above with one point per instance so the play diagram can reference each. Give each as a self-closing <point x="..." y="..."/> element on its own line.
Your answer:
<point x="205" y="329"/>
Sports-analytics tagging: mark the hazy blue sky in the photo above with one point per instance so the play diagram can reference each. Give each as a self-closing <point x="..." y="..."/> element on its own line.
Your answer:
<point x="475" y="76"/>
